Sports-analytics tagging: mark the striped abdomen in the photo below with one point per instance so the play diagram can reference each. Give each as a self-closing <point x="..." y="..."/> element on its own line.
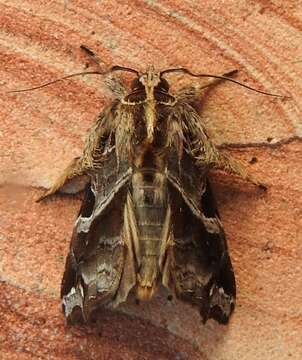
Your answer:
<point x="149" y="194"/>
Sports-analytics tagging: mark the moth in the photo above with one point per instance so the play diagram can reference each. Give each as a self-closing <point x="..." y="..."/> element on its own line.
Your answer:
<point x="149" y="217"/>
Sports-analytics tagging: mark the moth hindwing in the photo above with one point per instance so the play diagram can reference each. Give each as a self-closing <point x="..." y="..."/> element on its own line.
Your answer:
<point x="149" y="217"/>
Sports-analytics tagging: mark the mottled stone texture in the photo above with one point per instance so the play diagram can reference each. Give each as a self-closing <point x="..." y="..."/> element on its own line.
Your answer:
<point x="41" y="131"/>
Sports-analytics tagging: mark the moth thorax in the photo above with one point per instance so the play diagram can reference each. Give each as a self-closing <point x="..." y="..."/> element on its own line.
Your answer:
<point x="150" y="118"/>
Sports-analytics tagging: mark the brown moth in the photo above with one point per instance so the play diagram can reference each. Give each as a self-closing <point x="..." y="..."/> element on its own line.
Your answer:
<point x="149" y="217"/>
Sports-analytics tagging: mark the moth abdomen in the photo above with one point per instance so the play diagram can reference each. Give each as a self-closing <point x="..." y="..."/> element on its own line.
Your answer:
<point x="150" y="202"/>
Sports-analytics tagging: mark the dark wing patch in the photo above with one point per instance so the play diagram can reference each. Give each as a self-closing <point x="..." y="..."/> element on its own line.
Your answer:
<point x="200" y="269"/>
<point x="99" y="251"/>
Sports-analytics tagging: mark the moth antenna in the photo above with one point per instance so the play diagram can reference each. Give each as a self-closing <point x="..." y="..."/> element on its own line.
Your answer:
<point x="114" y="68"/>
<point x="186" y="71"/>
<point x="57" y="80"/>
<point x="122" y="68"/>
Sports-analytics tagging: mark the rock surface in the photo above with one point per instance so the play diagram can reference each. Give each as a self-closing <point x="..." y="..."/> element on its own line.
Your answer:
<point x="42" y="130"/>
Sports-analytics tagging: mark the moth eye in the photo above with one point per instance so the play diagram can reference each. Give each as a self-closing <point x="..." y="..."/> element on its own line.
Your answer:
<point x="136" y="85"/>
<point x="163" y="85"/>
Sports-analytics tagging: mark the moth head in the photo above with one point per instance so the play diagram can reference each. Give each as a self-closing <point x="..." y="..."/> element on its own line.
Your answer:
<point x="150" y="81"/>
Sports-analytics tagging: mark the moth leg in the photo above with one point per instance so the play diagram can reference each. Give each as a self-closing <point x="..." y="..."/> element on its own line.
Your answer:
<point x="116" y="87"/>
<point x="91" y="55"/>
<point x="99" y="140"/>
<point x="113" y="84"/>
<point x="231" y="166"/>
<point x="205" y="153"/>
<point x="72" y="180"/>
